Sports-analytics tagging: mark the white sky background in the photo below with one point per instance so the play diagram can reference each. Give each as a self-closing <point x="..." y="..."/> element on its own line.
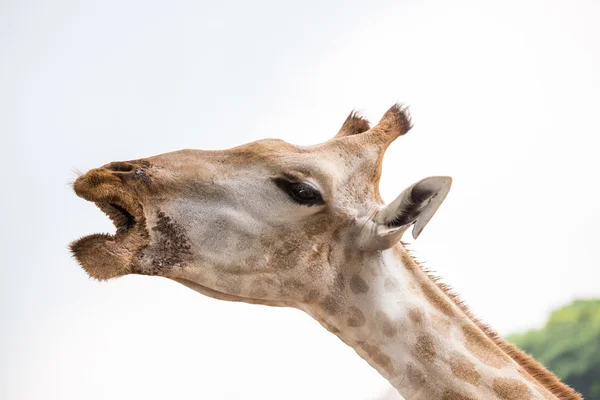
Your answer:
<point x="505" y="99"/>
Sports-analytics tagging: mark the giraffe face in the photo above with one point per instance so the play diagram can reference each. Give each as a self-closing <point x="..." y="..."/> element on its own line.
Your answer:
<point x="254" y="221"/>
<point x="267" y="222"/>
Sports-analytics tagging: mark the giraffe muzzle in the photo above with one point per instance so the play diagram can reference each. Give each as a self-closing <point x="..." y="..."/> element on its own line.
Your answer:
<point x="102" y="255"/>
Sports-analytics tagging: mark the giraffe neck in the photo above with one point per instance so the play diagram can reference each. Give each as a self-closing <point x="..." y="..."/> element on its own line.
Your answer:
<point x="398" y="319"/>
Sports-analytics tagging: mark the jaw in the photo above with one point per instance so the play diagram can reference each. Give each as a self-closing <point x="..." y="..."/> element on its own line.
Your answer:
<point x="216" y="294"/>
<point x="105" y="256"/>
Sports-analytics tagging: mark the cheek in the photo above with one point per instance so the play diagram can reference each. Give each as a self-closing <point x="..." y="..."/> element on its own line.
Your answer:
<point x="214" y="234"/>
<point x="220" y="244"/>
<point x="170" y="247"/>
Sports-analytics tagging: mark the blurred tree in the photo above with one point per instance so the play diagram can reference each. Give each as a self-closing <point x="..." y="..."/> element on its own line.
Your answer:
<point x="569" y="345"/>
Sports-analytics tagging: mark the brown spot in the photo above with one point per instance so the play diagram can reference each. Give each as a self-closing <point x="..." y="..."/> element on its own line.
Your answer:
<point x="267" y="281"/>
<point x="340" y="281"/>
<point x="464" y="369"/>
<point x="291" y="286"/>
<point x="315" y="229"/>
<point x="331" y="305"/>
<point x="415" y="315"/>
<point x="482" y="347"/>
<point x="282" y="255"/>
<point x="452" y="395"/>
<point x="378" y="357"/>
<point x="356" y="318"/>
<point x="358" y="285"/>
<point x="415" y="375"/>
<point x="437" y="298"/>
<point x="511" y="389"/>
<point x="391" y="284"/>
<point x="385" y="324"/>
<point x="425" y="347"/>
<point x="311" y="296"/>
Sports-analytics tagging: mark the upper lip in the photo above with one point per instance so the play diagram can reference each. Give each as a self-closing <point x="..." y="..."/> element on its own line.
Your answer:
<point x="115" y="200"/>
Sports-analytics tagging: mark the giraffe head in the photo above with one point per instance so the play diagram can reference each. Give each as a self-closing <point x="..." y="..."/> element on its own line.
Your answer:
<point x="267" y="222"/>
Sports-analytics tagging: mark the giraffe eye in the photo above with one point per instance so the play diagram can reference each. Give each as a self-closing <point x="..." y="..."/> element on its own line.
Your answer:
<point x="302" y="193"/>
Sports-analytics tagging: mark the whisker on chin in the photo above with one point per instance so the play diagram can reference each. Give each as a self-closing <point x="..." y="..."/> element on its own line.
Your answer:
<point x="77" y="173"/>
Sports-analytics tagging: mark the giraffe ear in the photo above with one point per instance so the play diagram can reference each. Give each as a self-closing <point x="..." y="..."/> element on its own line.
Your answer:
<point x="414" y="206"/>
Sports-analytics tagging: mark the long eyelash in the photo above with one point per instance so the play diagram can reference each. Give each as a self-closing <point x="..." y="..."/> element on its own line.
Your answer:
<point x="287" y="187"/>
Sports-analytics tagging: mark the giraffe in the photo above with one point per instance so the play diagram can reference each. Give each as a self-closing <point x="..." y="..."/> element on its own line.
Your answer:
<point x="305" y="226"/>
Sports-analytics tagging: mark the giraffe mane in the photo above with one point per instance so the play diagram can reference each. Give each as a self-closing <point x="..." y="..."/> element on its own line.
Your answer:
<point x="536" y="370"/>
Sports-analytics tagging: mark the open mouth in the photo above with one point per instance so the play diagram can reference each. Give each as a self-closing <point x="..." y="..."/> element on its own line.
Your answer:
<point x="126" y="214"/>
<point x="102" y="255"/>
<point x="119" y="215"/>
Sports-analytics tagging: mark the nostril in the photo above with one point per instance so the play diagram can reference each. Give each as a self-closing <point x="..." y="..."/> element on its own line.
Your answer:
<point x="120" y="167"/>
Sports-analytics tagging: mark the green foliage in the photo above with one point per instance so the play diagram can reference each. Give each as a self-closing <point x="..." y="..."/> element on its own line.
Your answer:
<point x="569" y="345"/>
